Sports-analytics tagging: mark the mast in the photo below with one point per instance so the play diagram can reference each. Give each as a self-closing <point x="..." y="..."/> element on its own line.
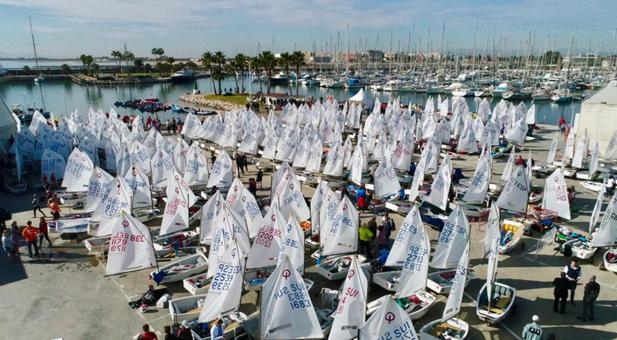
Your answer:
<point x="36" y="57"/>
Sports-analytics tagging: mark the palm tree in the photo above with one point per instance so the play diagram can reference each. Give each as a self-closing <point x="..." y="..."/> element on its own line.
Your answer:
<point x="219" y="58"/>
<point x="256" y="65"/>
<point x="117" y="56"/>
<point x="285" y="61"/>
<point x="241" y="63"/>
<point x="171" y="61"/>
<point x="268" y="62"/>
<point x="157" y="52"/>
<point x="128" y="58"/>
<point x="297" y="61"/>
<point x="84" y="60"/>
<point x="206" y="61"/>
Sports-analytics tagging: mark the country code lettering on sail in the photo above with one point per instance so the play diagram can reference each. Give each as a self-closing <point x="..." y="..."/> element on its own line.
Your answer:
<point x="224" y="277"/>
<point x="340" y="221"/>
<point x="113" y="206"/>
<point x="96" y="189"/>
<point x="478" y="179"/>
<point x="349" y="294"/>
<point x="119" y="241"/>
<point x="251" y="208"/>
<point x="406" y="230"/>
<point x="173" y="205"/>
<point x="75" y="168"/>
<point x="403" y="331"/>
<point x="449" y="228"/>
<point x="266" y="235"/>
<point x="295" y="293"/>
<point x="193" y="165"/>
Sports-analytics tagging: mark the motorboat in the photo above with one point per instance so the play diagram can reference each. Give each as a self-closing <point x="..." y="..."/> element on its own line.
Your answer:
<point x="451" y="329"/>
<point x="483" y="93"/>
<point x="500" y="89"/>
<point x="501" y="303"/>
<point x="460" y="90"/>
<point x="511" y="235"/>
<point x="541" y="94"/>
<point x="561" y="96"/>
<point x="279" y="79"/>
<point x="180" y="269"/>
<point x="392" y="85"/>
<point x="182" y="76"/>
<point x="416" y="305"/>
<point x="441" y="281"/>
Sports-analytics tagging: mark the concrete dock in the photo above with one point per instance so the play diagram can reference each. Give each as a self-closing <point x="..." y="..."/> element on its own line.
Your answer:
<point x="66" y="294"/>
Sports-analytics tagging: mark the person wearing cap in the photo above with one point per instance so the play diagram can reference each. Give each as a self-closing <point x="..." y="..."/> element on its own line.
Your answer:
<point x="592" y="290"/>
<point x="217" y="332"/>
<point x="29" y="234"/>
<point x="532" y="330"/>
<point x="184" y="333"/>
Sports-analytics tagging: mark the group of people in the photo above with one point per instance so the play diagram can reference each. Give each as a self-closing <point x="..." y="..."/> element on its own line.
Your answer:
<point x="173" y="125"/>
<point x="369" y="233"/>
<point x="32" y="235"/>
<point x="217" y="332"/>
<point x="153" y="122"/>
<point x="566" y="282"/>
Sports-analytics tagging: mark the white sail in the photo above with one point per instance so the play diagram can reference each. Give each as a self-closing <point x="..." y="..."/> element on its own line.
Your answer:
<point x="580" y="153"/>
<point x="552" y="151"/>
<point x="418" y="179"/>
<point x="597" y="208"/>
<point x="390" y="321"/>
<point x="569" y="149"/>
<point x="176" y="214"/>
<point x="119" y="199"/>
<point x="493" y="259"/>
<point x="286" y="308"/>
<point x="226" y="286"/>
<point x="140" y="184"/>
<point x="221" y="175"/>
<point x="52" y="163"/>
<point x="292" y="244"/>
<point x="440" y="187"/>
<point x="416" y="261"/>
<point x="357" y="165"/>
<point x="593" y="161"/>
<point x="492" y="229"/>
<point x="404" y="237"/>
<point x="209" y="214"/>
<point x="196" y="170"/>
<point x="316" y="203"/>
<point x="452" y="241"/>
<point x="517" y="132"/>
<point x="329" y="209"/>
<point x="314" y="161"/>
<point x="342" y="230"/>
<point x="530" y="118"/>
<point x="334" y="161"/>
<point x="453" y="305"/>
<point x="555" y="196"/>
<point x="350" y="313"/>
<point x="267" y="245"/>
<point x="161" y="164"/>
<point x="252" y="212"/>
<point x="515" y="194"/>
<point x="606" y="233"/>
<point x="507" y="170"/>
<point x="479" y="183"/>
<point x="386" y="181"/>
<point x="99" y="187"/>
<point x="78" y="171"/>
<point x="289" y="197"/>
<point x="221" y="238"/>
<point x="130" y="246"/>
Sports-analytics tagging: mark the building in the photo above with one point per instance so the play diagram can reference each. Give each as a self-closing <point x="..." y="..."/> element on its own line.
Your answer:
<point x="598" y="114"/>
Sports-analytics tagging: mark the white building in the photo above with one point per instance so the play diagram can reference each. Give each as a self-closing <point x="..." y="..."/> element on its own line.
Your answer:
<point x="599" y="115"/>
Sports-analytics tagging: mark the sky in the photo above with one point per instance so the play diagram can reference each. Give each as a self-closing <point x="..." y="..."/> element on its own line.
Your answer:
<point x="187" y="28"/>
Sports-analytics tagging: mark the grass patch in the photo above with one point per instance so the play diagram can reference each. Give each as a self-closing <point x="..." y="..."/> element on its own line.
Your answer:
<point x="238" y="99"/>
<point x="139" y="75"/>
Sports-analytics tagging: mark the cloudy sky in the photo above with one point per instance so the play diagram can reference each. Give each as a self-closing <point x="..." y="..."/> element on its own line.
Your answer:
<point x="68" y="28"/>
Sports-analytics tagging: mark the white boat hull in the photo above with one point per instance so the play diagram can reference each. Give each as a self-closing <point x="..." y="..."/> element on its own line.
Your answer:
<point x="441" y="281"/>
<point x="503" y="296"/>
<point x="459" y="330"/>
<point x="580" y="249"/>
<point x="608" y="264"/>
<point x="196" y="285"/>
<point x="199" y="260"/>
<point x="185" y="308"/>
<point x="426" y="301"/>
<point x="517" y="229"/>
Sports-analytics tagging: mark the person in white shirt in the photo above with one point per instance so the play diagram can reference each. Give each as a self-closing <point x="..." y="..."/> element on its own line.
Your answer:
<point x="216" y="333"/>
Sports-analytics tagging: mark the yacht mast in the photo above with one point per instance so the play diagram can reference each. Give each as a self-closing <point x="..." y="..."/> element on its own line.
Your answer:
<point x="36" y="57"/>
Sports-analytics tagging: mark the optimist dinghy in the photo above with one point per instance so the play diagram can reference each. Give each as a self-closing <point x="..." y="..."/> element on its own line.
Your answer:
<point x="610" y="260"/>
<point x="581" y="248"/>
<point x="452" y="329"/>
<point x="501" y="302"/>
<point x="511" y="233"/>
<point x="416" y="305"/>
<point x="181" y="269"/>
<point x="441" y="281"/>
<point x="186" y="308"/>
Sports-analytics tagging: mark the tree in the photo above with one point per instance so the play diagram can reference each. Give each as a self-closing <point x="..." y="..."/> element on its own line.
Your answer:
<point x="66" y="69"/>
<point x="86" y="61"/>
<point x="297" y="60"/>
<point x="285" y="61"/>
<point x="138" y="63"/>
<point x="219" y="58"/>
<point x="117" y="56"/>
<point x="257" y="66"/>
<point x="26" y="69"/>
<point x="128" y="57"/>
<point x="241" y="63"/>
<point x="171" y="61"/>
<point x="95" y="69"/>
<point x="268" y="62"/>
<point x="158" y="53"/>
<point x="206" y="62"/>
<point x="552" y="57"/>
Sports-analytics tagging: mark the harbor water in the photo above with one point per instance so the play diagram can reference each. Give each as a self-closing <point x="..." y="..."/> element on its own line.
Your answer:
<point x="60" y="97"/>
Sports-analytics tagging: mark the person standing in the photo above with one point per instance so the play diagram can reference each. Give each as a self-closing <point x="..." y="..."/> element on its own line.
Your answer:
<point x="168" y="334"/>
<point x="361" y="198"/>
<point x="532" y="330"/>
<point x="592" y="290"/>
<point x="14" y="239"/>
<point x="29" y="234"/>
<point x="260" y="178"/>
<point x="372" y="225"/>
<point x="239" y="165"/>
<point x="36" y="205"/>
<point x="573" y="274"/>
<point x="147" y="334"/>
<point x="184" y="333"/>
<point x="44" y="233"/>
<point x="562" y="284"/>
<point x="217" y="332"/>
<point x="6" y="242"/>
<point x="388" y="228"/>
<point x="365" y="235"/>
<point x="253" y="187"/>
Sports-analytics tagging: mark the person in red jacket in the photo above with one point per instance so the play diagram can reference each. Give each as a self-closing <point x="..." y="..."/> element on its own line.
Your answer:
<point x="147" y="335"/>
<point x="44" y="233"/>
<point x="29" y="234"/>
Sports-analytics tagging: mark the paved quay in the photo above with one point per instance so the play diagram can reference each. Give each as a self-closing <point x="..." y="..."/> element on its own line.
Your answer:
<point x="66" y="294"/>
